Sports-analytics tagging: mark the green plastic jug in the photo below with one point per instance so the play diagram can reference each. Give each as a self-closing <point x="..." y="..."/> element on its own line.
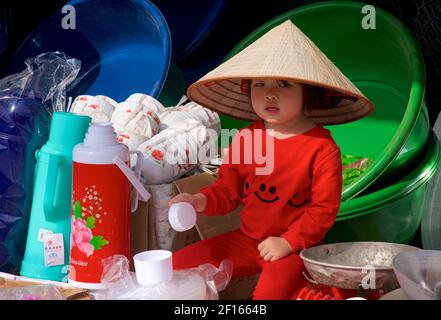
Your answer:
<point x="51" y="204"/>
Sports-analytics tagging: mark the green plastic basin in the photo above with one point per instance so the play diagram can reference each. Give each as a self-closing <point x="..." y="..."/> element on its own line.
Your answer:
<point x="392" y="214"/>
<point x="386" y="65"/>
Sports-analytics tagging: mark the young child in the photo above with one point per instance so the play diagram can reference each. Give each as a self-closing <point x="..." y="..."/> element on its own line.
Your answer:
<point x="289" y="88"/>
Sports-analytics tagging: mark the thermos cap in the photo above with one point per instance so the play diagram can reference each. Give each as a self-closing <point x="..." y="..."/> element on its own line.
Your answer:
<point x="100" y="146"/>
<point x="100" y="133"/>
<point x="182" y="216"/>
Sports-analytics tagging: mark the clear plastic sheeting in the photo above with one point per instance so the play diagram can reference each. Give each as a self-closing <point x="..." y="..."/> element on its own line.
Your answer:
<point x="431" y="221"/>
<point x="37" y="292"/>
<point x="45" y="79"/>
<point x="200" y="283"/>
<point x="27" y="100"/>
<point x="419" y="274"/>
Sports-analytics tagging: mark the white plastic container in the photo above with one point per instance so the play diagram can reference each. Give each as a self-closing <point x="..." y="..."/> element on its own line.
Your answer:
<point x="152" y="267"/>
<point x="182" y="216"/>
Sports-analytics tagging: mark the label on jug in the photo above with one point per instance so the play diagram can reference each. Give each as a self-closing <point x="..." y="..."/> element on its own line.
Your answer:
<point x="100" y="219"/>
<point x="53" y="249"/>
<point x="41" y="233"/>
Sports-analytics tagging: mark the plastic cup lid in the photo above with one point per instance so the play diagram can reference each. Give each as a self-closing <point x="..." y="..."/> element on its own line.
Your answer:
<point x="182" y="216"/>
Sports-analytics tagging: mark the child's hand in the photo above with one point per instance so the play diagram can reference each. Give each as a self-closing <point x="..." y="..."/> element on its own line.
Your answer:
<point x="198" y="200"/>
<point x="274" y="248"/>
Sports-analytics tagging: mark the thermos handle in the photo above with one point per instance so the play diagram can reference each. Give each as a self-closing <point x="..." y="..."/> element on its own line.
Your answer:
<point x="138" y="167"/>
<point x="134" y="180"/>
<point x="51" y="180"/>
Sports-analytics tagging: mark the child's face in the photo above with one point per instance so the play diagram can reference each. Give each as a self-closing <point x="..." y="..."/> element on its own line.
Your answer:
<point x="277" y="101"/>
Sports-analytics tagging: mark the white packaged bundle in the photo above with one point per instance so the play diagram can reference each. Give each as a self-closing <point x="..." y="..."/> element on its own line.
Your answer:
<point x="128" y="111"/>
<point x="172" y="116"/>
<point x="137" y="119"/>
<point x="99" y="108"/>
<point x="175" y="151"/>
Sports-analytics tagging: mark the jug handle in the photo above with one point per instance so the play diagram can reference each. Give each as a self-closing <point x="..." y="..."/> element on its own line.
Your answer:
<point x="49" y="192"/>
<point x="37" y="157"/>
<point x="134" y="180"/>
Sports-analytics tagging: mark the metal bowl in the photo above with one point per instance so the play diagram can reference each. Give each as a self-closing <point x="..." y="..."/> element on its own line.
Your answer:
<point x="354" y="265"/>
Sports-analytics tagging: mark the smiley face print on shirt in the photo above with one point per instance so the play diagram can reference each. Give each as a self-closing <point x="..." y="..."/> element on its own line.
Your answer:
<point x="295" y="203"/>
<point x="268" y="194"/>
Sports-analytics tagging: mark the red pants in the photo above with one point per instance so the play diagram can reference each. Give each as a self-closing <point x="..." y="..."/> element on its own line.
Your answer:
<point x="281" y="279"/>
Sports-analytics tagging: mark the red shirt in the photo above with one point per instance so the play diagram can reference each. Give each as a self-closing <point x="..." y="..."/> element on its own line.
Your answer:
<point x="298" y="200"/>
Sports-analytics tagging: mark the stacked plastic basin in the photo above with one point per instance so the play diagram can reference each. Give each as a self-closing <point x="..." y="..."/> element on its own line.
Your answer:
<point x="124" y="46"/>
<point x="387" y="202"/>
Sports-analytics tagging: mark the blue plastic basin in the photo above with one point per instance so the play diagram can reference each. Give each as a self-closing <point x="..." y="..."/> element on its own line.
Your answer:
<point x="124" y="47"/>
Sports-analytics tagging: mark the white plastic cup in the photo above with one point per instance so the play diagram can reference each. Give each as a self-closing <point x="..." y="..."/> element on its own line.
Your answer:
<point x="182" y="216"/>
<point x="152" y="267"/>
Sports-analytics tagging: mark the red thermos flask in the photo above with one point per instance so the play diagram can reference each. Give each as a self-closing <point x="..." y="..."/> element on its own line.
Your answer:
<point x="102" y="203"/>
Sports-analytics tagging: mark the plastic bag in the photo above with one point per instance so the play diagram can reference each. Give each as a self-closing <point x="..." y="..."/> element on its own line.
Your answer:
<point x="45" y="79"/>
<point x="27" y="100"/>
<point x="201" y="283"/>
<point x="37" y="292"/>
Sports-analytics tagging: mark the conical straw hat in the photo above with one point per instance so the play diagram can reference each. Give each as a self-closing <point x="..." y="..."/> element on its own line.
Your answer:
<point x="284" y="52"/>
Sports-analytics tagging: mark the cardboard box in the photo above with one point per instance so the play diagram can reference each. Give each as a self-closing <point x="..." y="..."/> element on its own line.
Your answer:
<point x="143" y="229"/>
<point x="139" y="231"/>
